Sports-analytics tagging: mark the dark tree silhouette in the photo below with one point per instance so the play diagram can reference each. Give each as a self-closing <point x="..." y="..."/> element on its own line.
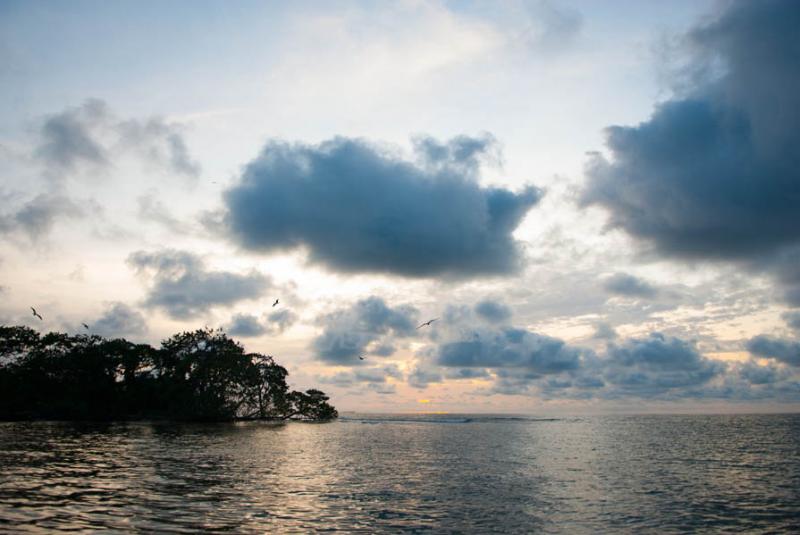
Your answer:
<point x="199" y="375"/>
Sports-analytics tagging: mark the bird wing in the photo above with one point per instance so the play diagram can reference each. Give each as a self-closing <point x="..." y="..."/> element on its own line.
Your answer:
<point x="427" y="322"/>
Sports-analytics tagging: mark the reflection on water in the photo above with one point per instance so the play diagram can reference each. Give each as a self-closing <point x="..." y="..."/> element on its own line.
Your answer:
<point x="412" y="473"/>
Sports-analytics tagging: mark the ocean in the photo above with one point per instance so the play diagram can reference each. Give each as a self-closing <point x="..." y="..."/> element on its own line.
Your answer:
<point x="407" y="473"/>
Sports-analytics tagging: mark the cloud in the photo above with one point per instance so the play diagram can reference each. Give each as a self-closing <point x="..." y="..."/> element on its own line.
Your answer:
<point x="781" y="350"/>
<point x="713" y="173"/>
<point x="118" y="321"/>
<point x="37" y="217"/>
<point x="420" y="377"/>
<point x="182" y="286"/>
<point x="554" y="25"/>
<point x="466" y="346"/>
<point x="152" y="209"/>
<point x="792" y="319"/>
<point x="604" y="331"/>
<point x="159" y="141"/>
<point x="653" y="367"/>
<point x="280" y="320"/>
<point x="374" y="378"/>
<point x="785" y="267"/>
<point x="629" y="286"/>
<point x="755" y="374"/>
<point x="247" y="325"/>
<point x="750" y="381"/>
<point x="518" y="361"/>
<point x="91" y="135"/>
<point x="493" y="311"/>
<point x="348" y="332"/>
<point x="68" y="139"/>
<point x="358" y="208"/>
<point x="509" y="348"/>
<point x="656" y="364"/>
<point x="466" y="373"/>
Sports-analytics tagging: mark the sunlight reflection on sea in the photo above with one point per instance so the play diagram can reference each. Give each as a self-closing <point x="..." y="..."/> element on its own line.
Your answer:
<point x="406" y="473"/>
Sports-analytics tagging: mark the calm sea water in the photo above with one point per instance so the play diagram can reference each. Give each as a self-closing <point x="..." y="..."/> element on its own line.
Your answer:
<point x="480" y="474"/>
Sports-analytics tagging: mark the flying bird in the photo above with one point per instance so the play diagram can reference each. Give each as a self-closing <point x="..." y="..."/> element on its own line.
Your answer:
<point x="427" y="323"/>
<point x="275" y="303"/>
<point x="360" y="357"/>
<point x="87" y="327"/>
<point x="36" y="313"/>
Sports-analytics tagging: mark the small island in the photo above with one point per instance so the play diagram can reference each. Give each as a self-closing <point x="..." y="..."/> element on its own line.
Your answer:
<point x="194" y="376"/>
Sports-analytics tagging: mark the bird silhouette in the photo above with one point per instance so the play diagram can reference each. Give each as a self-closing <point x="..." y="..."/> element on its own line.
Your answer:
<point x="36" y="313"/>
<point x="360" y="357"/>
<point x="427" y="323"/>
<point x="87" y="327"/>
<point x="275" y="303"/>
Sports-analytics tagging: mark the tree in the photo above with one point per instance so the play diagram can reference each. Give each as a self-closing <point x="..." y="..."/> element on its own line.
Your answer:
<point x="209" y="372"/>
<point x="269" y="396"/>
<point x="196" y="375"/>
<point x="311" y="405"/>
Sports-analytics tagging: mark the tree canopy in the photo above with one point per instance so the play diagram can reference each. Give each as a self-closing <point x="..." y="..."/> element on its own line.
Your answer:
<point x="198" y="375"/>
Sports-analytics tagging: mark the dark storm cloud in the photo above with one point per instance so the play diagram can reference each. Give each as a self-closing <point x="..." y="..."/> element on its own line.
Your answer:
<point x="68" y="138"/>
<point x="493" y="311"/>
<point x="750" y="381"/>
<point x="604" y="331"/>
<point x="786" y="268"/>
<point x="653" y="367"/>
<point x="248" y="325"/>
<point x="357" y="208"/>
<point x="467" y="347"/>
<point x="348" y="332"/>
<point x="374" y="378"/>
<point x="715" y="172"/>
<point x="385" y="349"/>
<point x="629" y="286"/>
<point x="509" y="348"/>
<point x="785" y="351"/>
<point x="183" y="286"/>
<point x="420" y="377"/>
<point x="466" y="373"/>
<point x="91" y="135"/>
<point x="461" y="152"/>
<point x="118" y="321"/>
<point x="280" y="320"/>
<point x="39" y="216"/>
<point x="756" y="374"/>
<point x="792" y="319"/>
<point x="518" y="361"/>
<point x="657" y="364"/>
<point x="522" y="362"/>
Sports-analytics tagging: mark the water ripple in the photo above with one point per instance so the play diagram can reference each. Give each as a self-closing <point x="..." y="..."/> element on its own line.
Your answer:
<point x="661" y="474"/>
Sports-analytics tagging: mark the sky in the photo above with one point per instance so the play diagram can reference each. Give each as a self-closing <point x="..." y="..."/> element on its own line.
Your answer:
<point x="598" y="202"/>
